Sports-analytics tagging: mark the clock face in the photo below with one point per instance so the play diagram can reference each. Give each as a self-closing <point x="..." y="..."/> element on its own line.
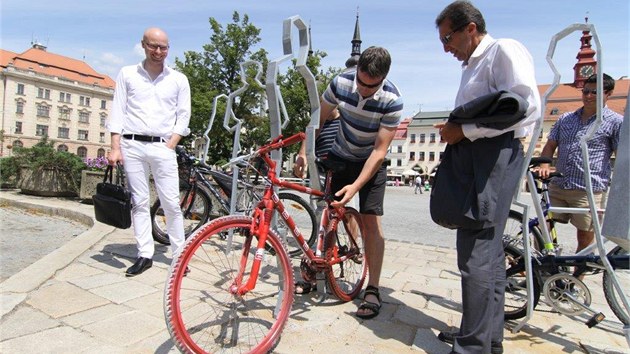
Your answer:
<point x="587" y="71"/>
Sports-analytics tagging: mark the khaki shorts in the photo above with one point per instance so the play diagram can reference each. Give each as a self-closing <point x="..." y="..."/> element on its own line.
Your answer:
<point x="574" y="198"/>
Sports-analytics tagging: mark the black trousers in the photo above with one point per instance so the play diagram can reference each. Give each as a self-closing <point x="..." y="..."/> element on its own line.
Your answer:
<point x="481" y="262"/>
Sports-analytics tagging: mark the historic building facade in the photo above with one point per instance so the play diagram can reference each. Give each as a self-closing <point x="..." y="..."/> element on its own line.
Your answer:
<point x="45" y="94"/>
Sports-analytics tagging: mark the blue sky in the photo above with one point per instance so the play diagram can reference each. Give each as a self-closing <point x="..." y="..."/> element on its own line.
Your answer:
<point x="107" y="33"/>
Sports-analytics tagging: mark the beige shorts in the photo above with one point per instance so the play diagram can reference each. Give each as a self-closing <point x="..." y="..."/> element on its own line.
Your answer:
<point x="573" y="198"/>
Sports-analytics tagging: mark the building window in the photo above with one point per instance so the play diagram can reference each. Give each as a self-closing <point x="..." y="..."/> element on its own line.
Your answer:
<point x="18" y="127"/>
<point x="82" y="152"/>
<point x="432" y="138"/>
<point x="412" y="156"/>
<point x="19" y="107"/>
<point x="64" y="113"/>
<point x="103" y="119"/>
<point x="554" y="111"/>
<point x="101" y="137"/>
<point x="83" y="135"/>
<point x="441" y="154"/>
<point x="84" y="117"/>
<point x="413" y="138"/>
<point x="84" y="101"/>
<point x="43" y="110"/>
<point x="103" y="104"/>
<point x="100" y="152"/>
<point x="20" y="89"/>
<point x="43" y="93"/>
<point x="64" y="97"/>
<point x="41" y="130"/>
<point x="399" y="162"/>
<point x="441" y="139"/>
<point x="63" y="133"/>
<point x="399" y="149"/>
<point x="431" y="156"/>
<point x="62" y="148"/>
<point x="421" y="156"/>
<point x="422" y="138"/>
<point x="18" y="144"/>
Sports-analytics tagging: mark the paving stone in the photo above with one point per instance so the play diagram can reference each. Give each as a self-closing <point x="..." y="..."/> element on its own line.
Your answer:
<point x="63" y="299"/>
<point x="122" y="292"/>
<point x="55" y="340"/>
<point x="94" y="315"/>
<point x="152" y="303"/>
<point x="24" y="321"/>
<point x="8" y="302"/>
<point x="126" y="329"/>
<point x="426" y="341"/>
<point x="97" y="280"/>
<point x="76" y="270"/>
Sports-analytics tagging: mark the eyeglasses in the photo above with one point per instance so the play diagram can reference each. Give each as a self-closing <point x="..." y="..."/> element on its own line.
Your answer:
<point x="154" y="47"/>
<point x="447" y="38"/>
<point x="366" y="85"/>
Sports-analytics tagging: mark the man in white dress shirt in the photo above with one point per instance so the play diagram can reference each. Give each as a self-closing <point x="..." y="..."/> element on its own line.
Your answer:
<point x="150" y="115"/>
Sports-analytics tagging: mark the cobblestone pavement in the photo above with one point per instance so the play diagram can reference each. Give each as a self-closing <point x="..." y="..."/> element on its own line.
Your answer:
<point x="76" y="299"/>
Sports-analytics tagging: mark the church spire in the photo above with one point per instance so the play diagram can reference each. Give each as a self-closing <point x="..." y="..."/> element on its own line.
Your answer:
<point x="586" y="64"/>
<point x="356" y="45"/>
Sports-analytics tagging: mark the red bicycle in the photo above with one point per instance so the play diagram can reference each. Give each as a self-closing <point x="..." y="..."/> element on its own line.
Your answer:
<point x="239" y="292"/>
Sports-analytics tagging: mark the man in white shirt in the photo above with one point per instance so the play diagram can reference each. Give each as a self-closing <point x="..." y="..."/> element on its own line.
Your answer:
<point x="489" y="65"/>
<point x="418" y="185"/>
<point x="150" y="114"/>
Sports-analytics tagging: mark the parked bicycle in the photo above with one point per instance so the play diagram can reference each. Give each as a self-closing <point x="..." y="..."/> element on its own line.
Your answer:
<point x="239" y="293"/>
<point x="558" y="277"/>
<point x="198" y="182"/>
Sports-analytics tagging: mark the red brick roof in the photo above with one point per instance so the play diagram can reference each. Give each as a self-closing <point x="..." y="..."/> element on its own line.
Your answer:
<point x="44" y="62"/>
<point x="401" y="131"/>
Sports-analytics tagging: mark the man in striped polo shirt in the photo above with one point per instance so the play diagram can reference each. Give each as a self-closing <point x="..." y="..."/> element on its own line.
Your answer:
<point x="370" y="108"/>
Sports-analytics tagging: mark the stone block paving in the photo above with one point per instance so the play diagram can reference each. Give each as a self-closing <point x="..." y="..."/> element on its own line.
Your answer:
<point x="85" y="304"/>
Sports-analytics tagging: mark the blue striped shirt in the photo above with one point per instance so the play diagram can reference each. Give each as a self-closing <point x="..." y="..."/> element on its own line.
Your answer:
<point x="568" y="131"/>
<point x="360" y="117"/>
<point x="326" y="137"/>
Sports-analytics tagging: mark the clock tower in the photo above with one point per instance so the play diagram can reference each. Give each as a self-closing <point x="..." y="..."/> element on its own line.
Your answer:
<point x="586" y="64"/>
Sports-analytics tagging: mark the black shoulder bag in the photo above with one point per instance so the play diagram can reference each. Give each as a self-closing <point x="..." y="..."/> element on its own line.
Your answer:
<point x="112" y="201"/>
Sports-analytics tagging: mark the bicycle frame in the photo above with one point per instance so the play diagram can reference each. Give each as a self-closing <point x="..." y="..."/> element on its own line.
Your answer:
<point x="263" y="214"/>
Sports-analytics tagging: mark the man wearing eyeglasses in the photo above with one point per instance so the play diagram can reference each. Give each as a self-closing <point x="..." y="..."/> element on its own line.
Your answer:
<point x="150" y="114"/>
<point x="370" y="107"/>
<point x="488" y="66"/>
<point x="570" y="189"/>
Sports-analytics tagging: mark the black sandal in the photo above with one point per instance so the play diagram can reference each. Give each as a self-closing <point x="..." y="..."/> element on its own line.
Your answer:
<point x="371" y="306"/>
<point x="305" y="287"/>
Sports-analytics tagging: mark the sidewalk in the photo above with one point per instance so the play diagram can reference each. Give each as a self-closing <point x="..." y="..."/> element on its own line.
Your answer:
<point x="78" y="300"/>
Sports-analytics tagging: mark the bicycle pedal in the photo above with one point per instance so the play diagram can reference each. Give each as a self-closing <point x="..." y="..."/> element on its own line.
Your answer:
<point x="595" y="320"/>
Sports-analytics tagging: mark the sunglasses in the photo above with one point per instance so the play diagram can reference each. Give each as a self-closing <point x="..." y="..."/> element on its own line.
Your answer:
<point x="586" y="91"/>
<point x="367" y="85"/>
<point x="447" y="38"/>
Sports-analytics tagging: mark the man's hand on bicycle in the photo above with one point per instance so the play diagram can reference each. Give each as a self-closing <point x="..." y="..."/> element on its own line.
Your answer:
<point x="543" y="170"/>
<point x="347" y="192"/>
<point x="299" y="168"/>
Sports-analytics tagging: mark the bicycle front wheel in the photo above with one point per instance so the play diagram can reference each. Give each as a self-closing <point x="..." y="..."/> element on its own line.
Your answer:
<point x="204" y="315"/>
<point x="516" y="287"/>
<point x="345" y="254"/>
<point x="610" y="292"/>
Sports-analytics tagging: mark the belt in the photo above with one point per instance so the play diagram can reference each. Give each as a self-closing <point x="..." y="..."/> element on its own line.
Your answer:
<point x="147" y="138"/>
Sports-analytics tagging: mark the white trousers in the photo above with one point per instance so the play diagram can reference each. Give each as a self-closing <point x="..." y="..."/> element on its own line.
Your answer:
<point x="140" y="159"/>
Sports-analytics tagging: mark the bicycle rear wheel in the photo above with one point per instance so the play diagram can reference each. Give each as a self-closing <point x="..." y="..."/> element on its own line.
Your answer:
<point x="202" y="313"/>
<point x="610" y="292"/>
<point x="304" y="218"/>
<point x="513" y="233"/>
<point x="345" y="253"/>
<point x="195" y="212"/>
<point x="516" y="287"/>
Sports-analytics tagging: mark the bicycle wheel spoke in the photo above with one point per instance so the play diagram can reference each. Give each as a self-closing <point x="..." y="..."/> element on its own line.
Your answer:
<point x="202" y="311"/>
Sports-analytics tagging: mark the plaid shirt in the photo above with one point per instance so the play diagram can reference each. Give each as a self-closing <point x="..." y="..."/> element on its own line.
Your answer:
<point x="568" y="131"/>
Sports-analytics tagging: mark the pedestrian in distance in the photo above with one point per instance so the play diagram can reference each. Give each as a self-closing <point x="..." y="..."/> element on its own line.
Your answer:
<point x="488" y="65"/>
<point x="570" y="189"/>
<point x="150" y="114"/>
<point x="418" y="185"/>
